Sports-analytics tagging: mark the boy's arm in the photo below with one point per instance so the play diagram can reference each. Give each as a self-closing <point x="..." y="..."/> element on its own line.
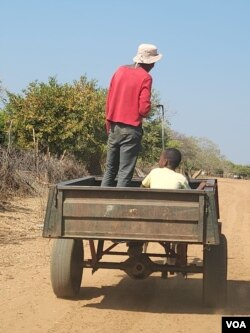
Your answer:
<point x="146" y="181"/>
<point x="186" y="184"/>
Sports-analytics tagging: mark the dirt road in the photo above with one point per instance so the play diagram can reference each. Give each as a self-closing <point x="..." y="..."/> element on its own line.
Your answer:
<point x="109" y="300"/>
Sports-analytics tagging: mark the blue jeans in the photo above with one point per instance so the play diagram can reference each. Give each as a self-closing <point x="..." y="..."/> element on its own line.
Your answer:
<point x="124" y="143"/>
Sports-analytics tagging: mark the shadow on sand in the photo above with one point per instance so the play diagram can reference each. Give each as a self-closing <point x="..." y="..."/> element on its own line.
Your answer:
<point x="174" y="295"/>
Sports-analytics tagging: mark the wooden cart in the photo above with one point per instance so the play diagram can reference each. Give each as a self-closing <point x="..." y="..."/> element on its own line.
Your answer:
<point x="80" y="210"/>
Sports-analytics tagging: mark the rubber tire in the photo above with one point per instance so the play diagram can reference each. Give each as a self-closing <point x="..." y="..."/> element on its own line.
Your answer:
<point x="215" y="275"/>
<point x="66" y="267"/>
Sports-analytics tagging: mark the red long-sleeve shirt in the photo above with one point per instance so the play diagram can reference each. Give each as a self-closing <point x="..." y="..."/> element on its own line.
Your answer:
<point x="129" y="95"/>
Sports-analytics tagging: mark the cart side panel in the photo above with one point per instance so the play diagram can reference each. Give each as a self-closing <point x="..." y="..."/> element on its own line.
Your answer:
<point x="52" y="221"/>
<point x="139" y="215"/>
<point x="81" y="208"/>
<point x="212" y="227"/>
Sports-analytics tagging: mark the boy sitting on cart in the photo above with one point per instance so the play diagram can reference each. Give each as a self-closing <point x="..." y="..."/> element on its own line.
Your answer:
<point x="165" y="177"/>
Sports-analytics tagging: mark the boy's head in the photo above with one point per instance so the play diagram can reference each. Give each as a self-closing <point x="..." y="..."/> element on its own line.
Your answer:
<point x="170" y="158"/>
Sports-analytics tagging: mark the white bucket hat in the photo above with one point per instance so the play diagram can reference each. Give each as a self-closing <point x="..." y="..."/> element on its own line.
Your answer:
<point x="147" y="54"/>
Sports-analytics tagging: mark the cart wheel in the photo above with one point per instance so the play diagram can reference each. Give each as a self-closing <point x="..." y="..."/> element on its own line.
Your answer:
<point x="215" y="274"/>
<point x="66" y="267"/>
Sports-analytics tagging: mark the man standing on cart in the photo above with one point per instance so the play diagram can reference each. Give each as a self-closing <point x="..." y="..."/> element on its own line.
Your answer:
<point x="128" y="102"/>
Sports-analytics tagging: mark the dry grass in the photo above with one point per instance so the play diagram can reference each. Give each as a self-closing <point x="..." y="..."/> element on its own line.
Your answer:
<point x="22" y="173"/>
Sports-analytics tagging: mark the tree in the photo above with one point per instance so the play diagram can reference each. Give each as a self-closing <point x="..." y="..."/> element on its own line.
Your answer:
<point x="60" y="118"/>
<point x="2" y="134"/>
<point x="2" y="115"/>
<point x="199" y="153"/>
<point x="242" y="171"/>
<point x="154" y="138"/>
<point x="210" y="157"/>
<point x="190" y="150"/>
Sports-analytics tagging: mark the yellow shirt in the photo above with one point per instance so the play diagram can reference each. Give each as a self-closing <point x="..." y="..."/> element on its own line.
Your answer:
<point x="164" y="178"/>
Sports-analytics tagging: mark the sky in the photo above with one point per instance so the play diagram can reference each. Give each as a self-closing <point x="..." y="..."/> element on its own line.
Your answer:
<point x="203" y="79"/>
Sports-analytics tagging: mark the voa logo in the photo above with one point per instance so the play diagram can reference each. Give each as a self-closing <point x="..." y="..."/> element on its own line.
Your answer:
<point x="235" y="324"/>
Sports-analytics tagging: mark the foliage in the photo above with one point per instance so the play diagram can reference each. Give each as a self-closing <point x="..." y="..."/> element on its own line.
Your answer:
<point x="199" y="153"/>
<point x="59" y="118"/>
<point x="242" y="171"/>
<point x="210" y="157"/>
<point x="2" y="122"/>
<point x="156" y="134"/>
<point x="2" y="94"/>
<point x="2" y="115"/>
<point x="152" y="140"/>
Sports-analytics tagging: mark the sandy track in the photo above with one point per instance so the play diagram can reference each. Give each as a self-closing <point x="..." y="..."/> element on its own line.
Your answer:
<point x="109" y="300"/>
